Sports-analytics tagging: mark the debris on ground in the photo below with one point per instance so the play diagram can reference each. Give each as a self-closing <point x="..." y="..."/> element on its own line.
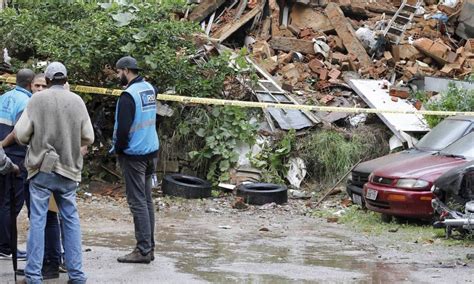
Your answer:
<point x="309" y="46"/>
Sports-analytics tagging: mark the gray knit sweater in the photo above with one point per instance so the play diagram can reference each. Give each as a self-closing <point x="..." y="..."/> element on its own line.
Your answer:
<point x="6" y="165"/>
<point x="55" y="120"/>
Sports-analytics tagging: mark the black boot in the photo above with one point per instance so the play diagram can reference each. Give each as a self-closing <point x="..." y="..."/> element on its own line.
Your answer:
<point x="50" y="270"/>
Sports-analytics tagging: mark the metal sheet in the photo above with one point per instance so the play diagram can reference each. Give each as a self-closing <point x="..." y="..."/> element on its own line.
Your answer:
<point x="264" y="97"/>
<point x="290" y="119"/>
<point x="433" y="84"/>
<point x="372" y="93"/>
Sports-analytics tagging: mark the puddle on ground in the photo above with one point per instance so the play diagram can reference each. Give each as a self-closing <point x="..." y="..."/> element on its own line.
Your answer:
<point x="243" y="254"/>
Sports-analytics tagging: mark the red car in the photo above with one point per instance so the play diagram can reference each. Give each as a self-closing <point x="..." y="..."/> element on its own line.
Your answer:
<point x="403" y="189"/>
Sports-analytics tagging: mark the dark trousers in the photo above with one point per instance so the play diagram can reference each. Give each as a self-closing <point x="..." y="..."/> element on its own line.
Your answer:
<point x="52" y="240"/>
<point x="6" y="202"/>
<point x="137" y="175"/>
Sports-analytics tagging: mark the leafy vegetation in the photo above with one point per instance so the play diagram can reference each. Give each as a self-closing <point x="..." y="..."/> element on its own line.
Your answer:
<point x="274" y="157"/>
<point x="219" y="130"/>
<point x="455" y="98"/>
<point x="90" y="37"/>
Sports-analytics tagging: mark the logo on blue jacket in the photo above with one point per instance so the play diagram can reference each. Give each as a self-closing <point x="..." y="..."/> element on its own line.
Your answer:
<point x="148" y="99"/>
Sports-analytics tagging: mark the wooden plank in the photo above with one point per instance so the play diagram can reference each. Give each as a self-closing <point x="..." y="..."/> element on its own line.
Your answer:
<point x="228" y="29"/>
<point x="265" y="31"/>
<point x="307" y="17"/>
<point x="292" y="44"/>
<point x="347" y="34"/>
<point x="204" y="9"/>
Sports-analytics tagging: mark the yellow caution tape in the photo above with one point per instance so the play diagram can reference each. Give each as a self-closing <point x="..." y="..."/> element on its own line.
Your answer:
<point x="209" y="101"/>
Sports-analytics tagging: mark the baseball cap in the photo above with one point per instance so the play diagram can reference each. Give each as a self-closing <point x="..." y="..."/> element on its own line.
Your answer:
<point x="127" y="62"/>
<point x="55" y="70"/>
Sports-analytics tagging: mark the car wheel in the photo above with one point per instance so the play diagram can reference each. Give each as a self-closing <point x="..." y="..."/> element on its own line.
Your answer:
<point x="180" y="185"/>
<point x="263" y="193"/>
<point x="386" y="218"/>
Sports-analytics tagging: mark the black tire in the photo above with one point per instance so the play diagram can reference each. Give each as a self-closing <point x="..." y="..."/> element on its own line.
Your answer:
<point x="180" y="185"/>
<point x="263" y="193"/>
<point x="386" y="218"/>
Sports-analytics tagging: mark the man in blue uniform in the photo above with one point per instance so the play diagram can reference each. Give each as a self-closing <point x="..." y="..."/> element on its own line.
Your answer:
<point x="136" y="144"/>
<point x="12" y="104"/>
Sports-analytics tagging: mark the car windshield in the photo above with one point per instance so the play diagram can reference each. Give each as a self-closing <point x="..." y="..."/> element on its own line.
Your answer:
<point x="464" y="147"/>
<point x="445" y="133"/>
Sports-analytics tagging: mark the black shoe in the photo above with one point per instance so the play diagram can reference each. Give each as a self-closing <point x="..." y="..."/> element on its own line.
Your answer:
<point x="152" y="254"/>
<point x="20" y="272"/>
<point x="135" y="257"/>
<point x="48" y="272"/>
<point x="62" y="268"/>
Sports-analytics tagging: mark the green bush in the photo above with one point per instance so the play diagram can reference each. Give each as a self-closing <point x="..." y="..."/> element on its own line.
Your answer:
<point x="274" y="157"/>
<point x="454" y="99"/>
<point x="213" y="134"/>
<point x="89" y="38"/>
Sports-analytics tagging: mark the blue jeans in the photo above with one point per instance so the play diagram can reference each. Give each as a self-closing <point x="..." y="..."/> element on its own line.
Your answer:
<point x="41" y="187"/>
<point x="52" y="242"/>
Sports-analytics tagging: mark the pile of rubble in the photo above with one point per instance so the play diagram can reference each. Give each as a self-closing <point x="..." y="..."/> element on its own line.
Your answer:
<point x="309" y="46"/>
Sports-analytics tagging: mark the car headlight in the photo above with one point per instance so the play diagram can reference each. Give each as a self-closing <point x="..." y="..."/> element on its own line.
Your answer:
<point x="412" y="183"/>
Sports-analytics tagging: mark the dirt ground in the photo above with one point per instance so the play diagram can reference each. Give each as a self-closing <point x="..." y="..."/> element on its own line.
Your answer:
<point x="201" y="241"/>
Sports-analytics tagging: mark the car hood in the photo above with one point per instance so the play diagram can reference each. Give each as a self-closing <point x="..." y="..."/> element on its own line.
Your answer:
<point x="370" y="166"/>
<point x="426" y="167"/>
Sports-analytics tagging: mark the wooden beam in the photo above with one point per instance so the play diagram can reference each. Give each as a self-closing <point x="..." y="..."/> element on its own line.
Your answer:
<point x="347" y="34"/>
<point x="292" y="44"/>
<point x="228" y="29"/>
<point x="204" y="9"/>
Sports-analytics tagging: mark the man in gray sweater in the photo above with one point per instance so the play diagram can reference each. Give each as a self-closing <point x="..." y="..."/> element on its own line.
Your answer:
<point x="55" y="124"/>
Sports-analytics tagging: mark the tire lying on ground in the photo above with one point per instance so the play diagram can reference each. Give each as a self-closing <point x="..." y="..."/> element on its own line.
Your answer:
<point x="262" y="193"/>
<point x="180" y="185"/>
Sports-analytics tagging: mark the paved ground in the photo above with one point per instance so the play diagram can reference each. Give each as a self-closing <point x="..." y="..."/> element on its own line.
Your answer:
<point x="207" y="241"/>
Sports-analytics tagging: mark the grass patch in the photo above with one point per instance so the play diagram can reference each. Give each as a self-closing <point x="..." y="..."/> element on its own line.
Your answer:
<point x="328" y="154"/>
<point x="369" y="223"/>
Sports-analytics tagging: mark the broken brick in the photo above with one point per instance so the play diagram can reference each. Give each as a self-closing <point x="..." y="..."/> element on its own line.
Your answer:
<point x="439" y="50"/>
<point x="338" y="58"/>
<point x="315" y="65"/>
<point x="285" y="58"/>
<point x="334" y="74"/>
<point x="326" y="99"/>
<point x="388" y="56"/>
<point x="451" y="57"/>
<point x="306" y="32"/>
<point x="323" y="74"/>
<point x="409" y="52"/>
<point x="400" y="92"/>
<point x="435" y="50"/>
<point x="469" y="46"/>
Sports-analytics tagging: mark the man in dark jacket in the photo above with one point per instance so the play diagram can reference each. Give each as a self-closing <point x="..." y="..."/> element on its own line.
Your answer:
<point x="136" y="144"/>
<point x="12" y="104"/>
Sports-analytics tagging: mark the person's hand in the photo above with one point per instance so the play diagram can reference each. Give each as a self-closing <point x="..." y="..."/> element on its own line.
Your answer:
<point x="84" y="150"/>
<point x="16" y="170"/>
